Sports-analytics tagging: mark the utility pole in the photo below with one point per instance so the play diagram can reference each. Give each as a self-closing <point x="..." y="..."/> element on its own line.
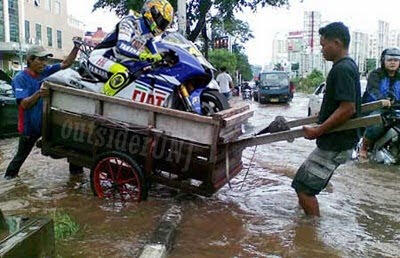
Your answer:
<point x="182" y="17"/>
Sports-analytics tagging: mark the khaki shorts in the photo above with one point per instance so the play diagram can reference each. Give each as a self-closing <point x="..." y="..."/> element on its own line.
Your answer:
<point x="314" y="174"/>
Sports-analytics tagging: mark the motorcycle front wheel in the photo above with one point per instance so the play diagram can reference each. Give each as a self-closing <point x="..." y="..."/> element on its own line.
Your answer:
<point x="213" y="102"/>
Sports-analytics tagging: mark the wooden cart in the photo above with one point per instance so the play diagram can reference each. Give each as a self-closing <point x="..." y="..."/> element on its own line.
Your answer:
<point x="128" y="145"/>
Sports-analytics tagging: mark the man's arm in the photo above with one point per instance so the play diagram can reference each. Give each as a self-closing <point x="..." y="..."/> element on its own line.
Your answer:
<point x="70" y="58"/>
<point x="29" y="102"/>
<point x="341" y="115"/>
<point x="231" y="86"/>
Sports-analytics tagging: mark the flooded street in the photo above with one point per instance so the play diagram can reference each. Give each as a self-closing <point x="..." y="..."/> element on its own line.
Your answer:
<point x="258" y="217"/>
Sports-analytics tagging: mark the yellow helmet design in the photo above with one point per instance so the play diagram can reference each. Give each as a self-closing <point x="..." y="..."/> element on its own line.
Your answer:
<point x="159" y="15"/>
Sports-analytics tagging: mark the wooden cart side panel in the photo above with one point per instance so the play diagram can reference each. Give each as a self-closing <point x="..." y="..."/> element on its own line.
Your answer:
<point x="130" y="104"/>
<point x="185" y="129"/>
<point x="235" y="160"/>
<point x="130" y="115"/>
<point x="73" y="103"/>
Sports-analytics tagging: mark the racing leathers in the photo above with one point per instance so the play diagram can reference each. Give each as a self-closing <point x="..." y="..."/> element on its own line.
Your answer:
<point x="131" y="40"/>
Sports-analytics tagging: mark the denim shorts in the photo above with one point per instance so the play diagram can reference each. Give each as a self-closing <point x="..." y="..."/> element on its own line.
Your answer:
<point x="228" y="94"/>
<point x="314" y="174"/>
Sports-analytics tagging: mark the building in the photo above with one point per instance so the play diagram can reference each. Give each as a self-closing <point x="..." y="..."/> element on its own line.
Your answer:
<point x="383" y="36"/>
<point x="373" y="46"/>
<point x="94" y="38"/>
<point x="312" y="23"/>
<point x="359" y="49"/>
<point x="296" y="44"/>
<point x="311" y="57"/>
<point x="394" y="38"/>
<point x="40" y="22"/>
<point x="280" y="50"/>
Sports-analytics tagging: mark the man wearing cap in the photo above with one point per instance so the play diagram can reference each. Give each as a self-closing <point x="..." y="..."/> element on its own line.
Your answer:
<point x="28" y="93"/>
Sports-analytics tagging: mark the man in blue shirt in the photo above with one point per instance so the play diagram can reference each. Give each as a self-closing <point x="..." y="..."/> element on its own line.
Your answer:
<point x="28" y="93"/>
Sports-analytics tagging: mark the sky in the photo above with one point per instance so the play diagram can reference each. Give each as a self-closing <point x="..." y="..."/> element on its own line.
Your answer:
<point x="360" y="15"/>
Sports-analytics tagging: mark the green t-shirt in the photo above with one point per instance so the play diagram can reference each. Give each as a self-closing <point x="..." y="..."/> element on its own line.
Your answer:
<point x="342" y="84"/>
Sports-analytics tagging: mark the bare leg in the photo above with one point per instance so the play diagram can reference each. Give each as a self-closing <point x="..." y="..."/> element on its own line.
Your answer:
<point x="309" y="203"/>
<point x="364" y="148"/>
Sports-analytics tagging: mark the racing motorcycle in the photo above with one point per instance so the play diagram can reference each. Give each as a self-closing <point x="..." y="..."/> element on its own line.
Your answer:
<point x="183" y="80"/>
<point x="386" y="149"/>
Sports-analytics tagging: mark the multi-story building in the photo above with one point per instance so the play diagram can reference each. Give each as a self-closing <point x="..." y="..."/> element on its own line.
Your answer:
<point x="373" y="46"/>
<point x="279" y="50"/>
<point x="312" y="23"/>
<point x="383" y="35"/>
<point x="41" y="22"/>
<point x="359" y="49"/>
<point x="296" y="44"/>
<point x="394" y="38"/>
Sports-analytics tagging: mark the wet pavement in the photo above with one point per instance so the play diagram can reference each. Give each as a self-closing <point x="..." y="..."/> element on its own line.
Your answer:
<point x="258" y="217"/>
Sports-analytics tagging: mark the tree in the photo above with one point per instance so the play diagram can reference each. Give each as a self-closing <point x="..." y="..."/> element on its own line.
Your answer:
<point x="196" y="10"/>
<point x="309" y="83"/>
<point x="222" y="57"/>
<point x="243" y="66"/>
<point x="370" y="64"/>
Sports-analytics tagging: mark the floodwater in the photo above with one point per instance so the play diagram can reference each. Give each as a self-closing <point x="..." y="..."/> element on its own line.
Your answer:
<point x="258" y="217"/>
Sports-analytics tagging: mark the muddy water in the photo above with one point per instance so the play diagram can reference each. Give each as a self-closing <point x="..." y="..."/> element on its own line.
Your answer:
<point x="258" y="217"/>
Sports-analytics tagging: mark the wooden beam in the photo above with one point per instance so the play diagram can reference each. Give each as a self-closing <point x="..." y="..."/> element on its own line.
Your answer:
<point x="297" y="133"/>
<point x="367" y="107"/>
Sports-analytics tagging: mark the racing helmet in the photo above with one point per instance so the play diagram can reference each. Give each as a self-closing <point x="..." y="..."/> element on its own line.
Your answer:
<point x="158" y="14"/>
<point x="389" y="53"/>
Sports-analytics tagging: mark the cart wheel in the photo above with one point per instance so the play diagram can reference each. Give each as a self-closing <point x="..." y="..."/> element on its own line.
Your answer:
<point x="118" y="175"/>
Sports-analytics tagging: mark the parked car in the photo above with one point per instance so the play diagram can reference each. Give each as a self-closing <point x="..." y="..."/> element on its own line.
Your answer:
<point x="315" y="99"/>
<point x="8" y="111"/>
<point x="274" y="86"/>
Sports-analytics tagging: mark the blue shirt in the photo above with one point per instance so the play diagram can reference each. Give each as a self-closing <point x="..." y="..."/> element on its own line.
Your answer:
<point x="24" y="85"/>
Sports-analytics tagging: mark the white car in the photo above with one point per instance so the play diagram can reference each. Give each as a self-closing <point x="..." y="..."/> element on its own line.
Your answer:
<point x="315" y="99"/>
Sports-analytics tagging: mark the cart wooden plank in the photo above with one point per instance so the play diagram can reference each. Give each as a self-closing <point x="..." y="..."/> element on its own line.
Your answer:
<point x="367" y="107"/>
<point x="297" y="133"/>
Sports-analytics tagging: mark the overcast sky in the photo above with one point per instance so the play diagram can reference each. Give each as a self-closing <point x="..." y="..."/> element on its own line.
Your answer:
<point x="362" y="15"/>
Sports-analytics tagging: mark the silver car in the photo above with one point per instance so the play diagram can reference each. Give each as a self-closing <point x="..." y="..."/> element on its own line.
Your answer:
<point x="315" y="99"/>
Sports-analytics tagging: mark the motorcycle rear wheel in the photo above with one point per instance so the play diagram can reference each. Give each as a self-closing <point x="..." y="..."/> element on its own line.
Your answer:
<point x="212" y="102"/>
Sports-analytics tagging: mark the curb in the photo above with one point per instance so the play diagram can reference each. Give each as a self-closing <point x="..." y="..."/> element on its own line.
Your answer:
<point x="161" y="241"/>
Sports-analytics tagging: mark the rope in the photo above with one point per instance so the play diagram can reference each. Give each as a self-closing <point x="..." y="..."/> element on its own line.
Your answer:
<point x="247" y="172"/>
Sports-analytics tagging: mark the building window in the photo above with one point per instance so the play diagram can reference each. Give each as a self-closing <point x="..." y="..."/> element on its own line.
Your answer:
<point x="27" y="31"/>
<point x="47" y="5"/>
<point x="49" y="36"/>
<point x="59" y="39"/>
<point x="38" y="39"/>
<point x="36" y="2"/>
<point x="14" y="20"/>
<point x="2" y="37"/>
<point x="57" y="7"/>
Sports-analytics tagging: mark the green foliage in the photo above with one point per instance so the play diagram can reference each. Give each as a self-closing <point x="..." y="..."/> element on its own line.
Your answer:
<point x="308" y="84"/>
<point x="243" y="66"/>
<point x="370" y="64"/>
<point x="197" y="11"/>
<point x="233" y="62"/>
<point x="64" y="225"/>
<point x="222" y="57"/>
